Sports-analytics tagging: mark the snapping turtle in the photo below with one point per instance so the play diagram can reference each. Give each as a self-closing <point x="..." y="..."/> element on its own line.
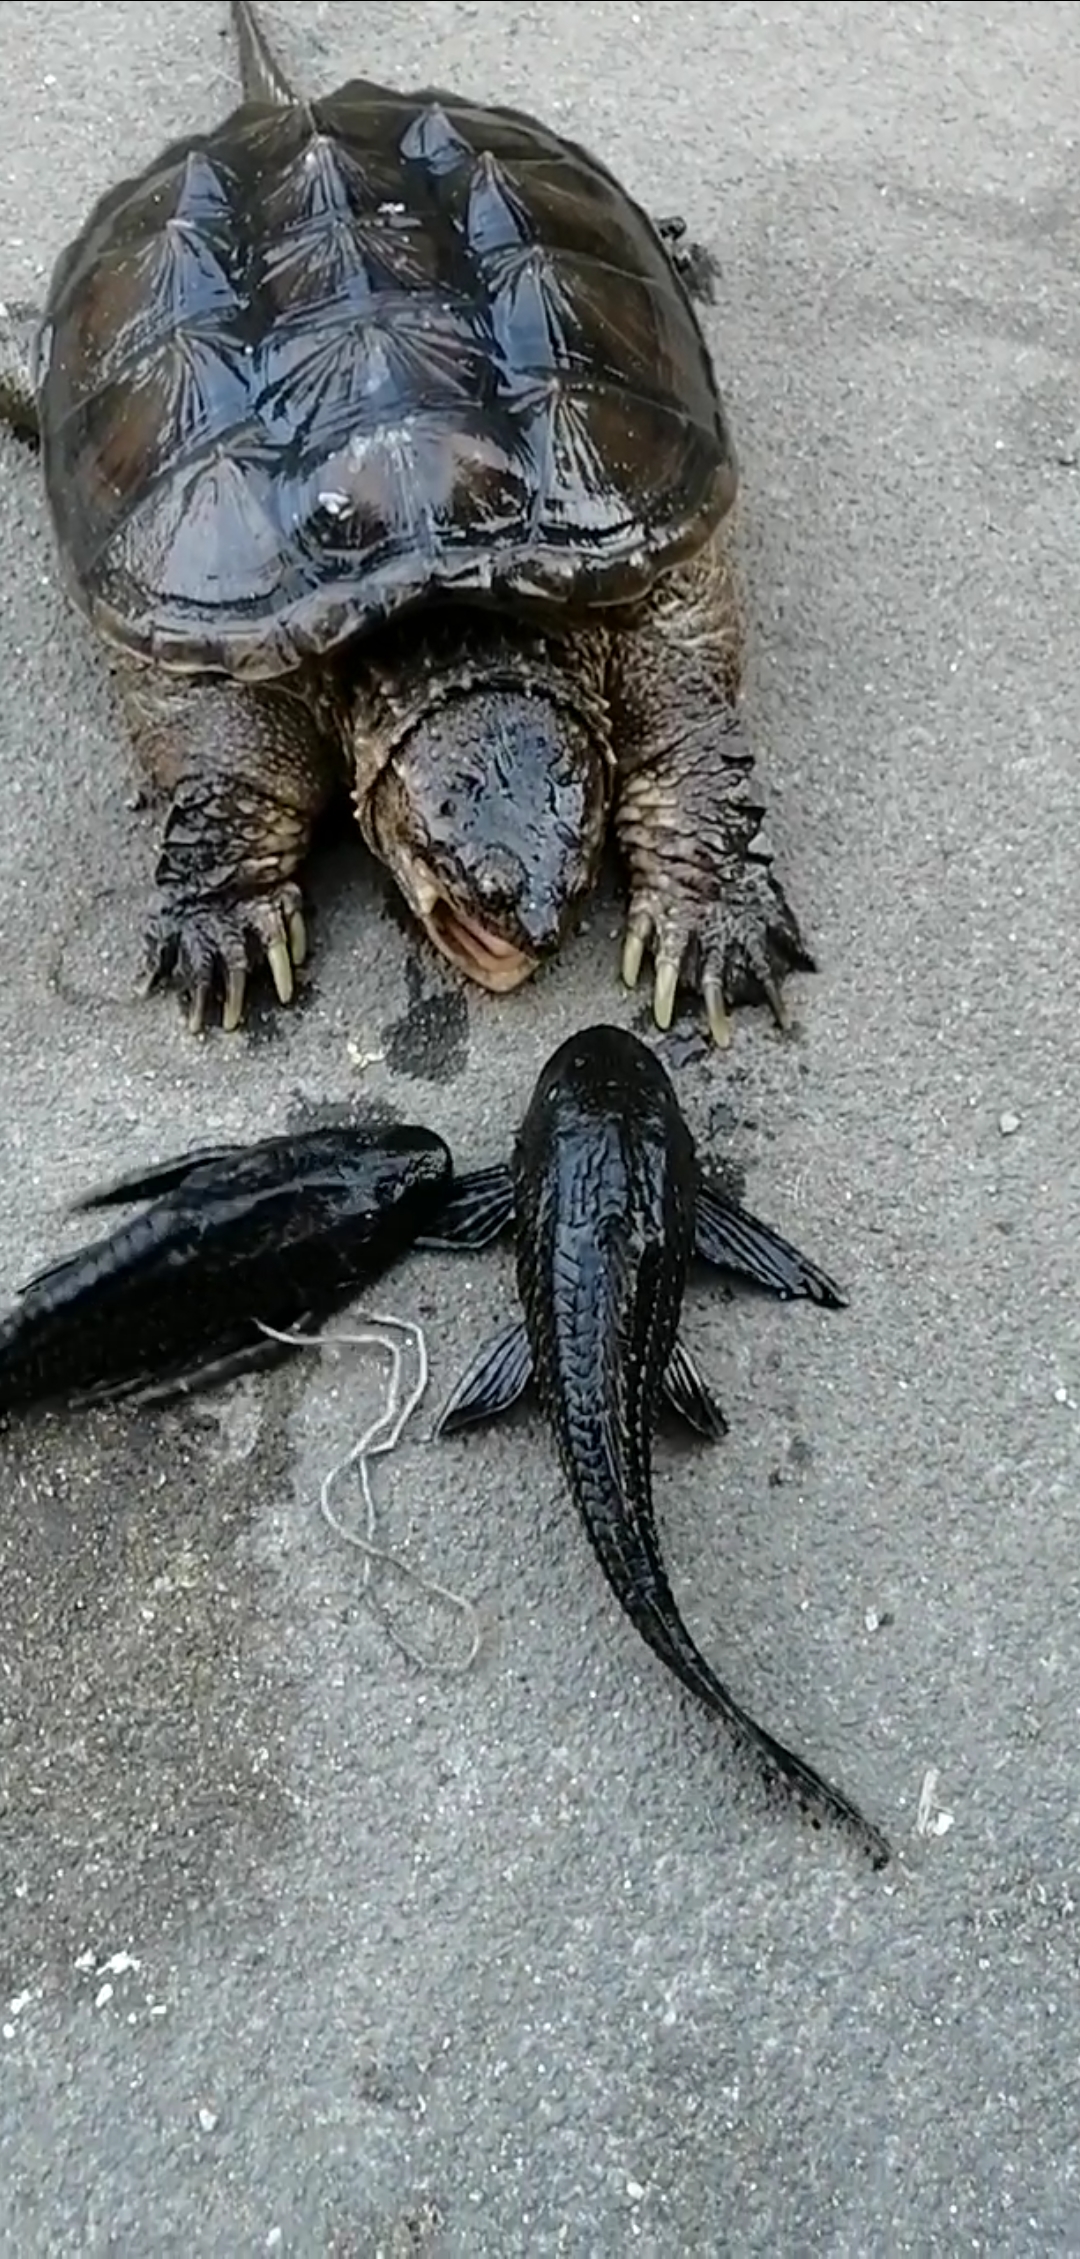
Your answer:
<point x="382" y="445"/>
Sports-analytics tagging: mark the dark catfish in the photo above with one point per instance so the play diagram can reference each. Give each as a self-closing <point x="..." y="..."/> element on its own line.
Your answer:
<point x="608" y="1207"/>
<point x="283" y="1231"/>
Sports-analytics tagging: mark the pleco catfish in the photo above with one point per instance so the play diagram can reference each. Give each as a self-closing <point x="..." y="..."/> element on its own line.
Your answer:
<point x="608" y="1207"/>
<point x="281" y="1232"/>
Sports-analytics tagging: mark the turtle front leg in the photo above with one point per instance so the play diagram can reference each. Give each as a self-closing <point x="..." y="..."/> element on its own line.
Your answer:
<point x="19" y="326"/>
<point x="702" y="890"/>
<point x="248" y="770"/>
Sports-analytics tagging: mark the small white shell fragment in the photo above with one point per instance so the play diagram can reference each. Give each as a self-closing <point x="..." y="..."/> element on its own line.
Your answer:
<point x="931" y="1819"/>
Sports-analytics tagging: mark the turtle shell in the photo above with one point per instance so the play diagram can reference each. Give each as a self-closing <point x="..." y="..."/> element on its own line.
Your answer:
<point x="331" y="360"/>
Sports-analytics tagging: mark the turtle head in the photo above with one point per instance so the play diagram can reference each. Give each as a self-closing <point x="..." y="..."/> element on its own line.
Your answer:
<point x="491" y="813"/>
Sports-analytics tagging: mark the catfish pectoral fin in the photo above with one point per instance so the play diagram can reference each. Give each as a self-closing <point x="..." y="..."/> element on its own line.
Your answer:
<point x="50" y="1272"/>
<point x="733" y="1240"/>
<point x="477" y="1210"/>
<point x="148" y="1184"/>
<point x="495" y="1379"/>
<point x="689" y="1394"/>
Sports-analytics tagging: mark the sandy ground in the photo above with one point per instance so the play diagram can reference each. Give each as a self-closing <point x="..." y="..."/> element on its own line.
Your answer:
<point x="304" y="1948"/>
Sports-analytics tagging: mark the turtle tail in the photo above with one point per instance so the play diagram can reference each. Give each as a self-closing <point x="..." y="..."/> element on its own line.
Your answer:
<point x="261" y="75"/>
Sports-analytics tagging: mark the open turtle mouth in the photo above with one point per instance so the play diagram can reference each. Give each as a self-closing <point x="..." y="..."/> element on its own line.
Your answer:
<point x="482" y="955"/>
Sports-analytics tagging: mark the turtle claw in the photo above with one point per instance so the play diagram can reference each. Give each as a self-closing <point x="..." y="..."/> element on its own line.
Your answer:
<point x="639" y="933"/>
<point x="715" y="1012"/>
<point x="697" y="266"/>
<point x="743" y="944"/>
<point x="232" y="1010"/>
<point x="634" y="947"/>
<point x="281" y="969"/>
<point x="298" y="944"/>
<point x="665" y="989"/>
<point x="775" y="999"/>
<point x="207" y="950"/>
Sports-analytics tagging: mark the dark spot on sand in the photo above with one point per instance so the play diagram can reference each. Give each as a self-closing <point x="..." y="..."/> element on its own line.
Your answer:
<point x="430" y="1042"/>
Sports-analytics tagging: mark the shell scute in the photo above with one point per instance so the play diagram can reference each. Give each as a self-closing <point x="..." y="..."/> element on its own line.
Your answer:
<point x="325" y="362"/>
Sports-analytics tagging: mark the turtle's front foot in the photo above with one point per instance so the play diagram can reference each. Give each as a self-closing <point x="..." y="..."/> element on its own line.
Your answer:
<point x="247" y="768"/>
<point x="735" y="942"/>
<point x="703" y="895"/>
<point x="206" y="950"/>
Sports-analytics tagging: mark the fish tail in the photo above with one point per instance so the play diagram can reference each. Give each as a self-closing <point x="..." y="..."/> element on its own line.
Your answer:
<point x="816" y="1797"/>
<point x="625" y="1545"/>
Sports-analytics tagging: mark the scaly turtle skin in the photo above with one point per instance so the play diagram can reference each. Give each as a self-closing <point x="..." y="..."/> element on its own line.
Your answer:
<point x="382" y="446"/>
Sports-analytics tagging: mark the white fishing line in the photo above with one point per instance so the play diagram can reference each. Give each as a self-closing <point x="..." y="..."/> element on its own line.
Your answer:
<point x="383" y="1434"/>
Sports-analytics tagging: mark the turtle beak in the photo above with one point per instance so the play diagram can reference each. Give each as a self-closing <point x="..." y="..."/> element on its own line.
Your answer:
<point x="478" y="950"/>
